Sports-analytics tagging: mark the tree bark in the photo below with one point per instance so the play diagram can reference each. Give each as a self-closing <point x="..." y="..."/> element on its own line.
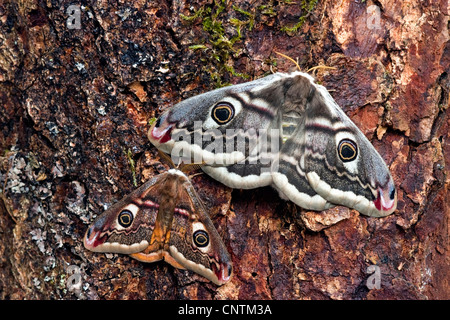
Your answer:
<point x="76" y="100"/>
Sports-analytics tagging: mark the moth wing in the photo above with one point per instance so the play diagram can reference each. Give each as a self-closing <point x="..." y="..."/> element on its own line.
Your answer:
<point x="340" y="163"/>
<point x="237" y="153"/>
<point x="194" y="241"/>
<point x="177" y="130"/>
<point x="259" y="134"/>
<point x="289" y="176"/>
<point x="128" y="225"/>
<point x="252" y="172"/>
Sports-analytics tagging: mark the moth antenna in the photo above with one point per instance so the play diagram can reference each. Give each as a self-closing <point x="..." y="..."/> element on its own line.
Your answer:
<point x="165" y="157"/>
<point x="195" y="174"/>
<point x="319" y="67"/>
<point x="187" y="167"/>
<point x="313" y="69"/>
<point x="290" y="59"/>
<point x="271" y="69"/>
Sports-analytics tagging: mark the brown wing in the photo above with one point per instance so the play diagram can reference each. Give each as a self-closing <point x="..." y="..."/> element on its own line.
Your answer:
<point x="194" y="242"/>
<point x="127" y="226"/>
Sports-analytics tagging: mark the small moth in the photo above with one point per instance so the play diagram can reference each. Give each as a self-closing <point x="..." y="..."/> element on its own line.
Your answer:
<point x="163" y="219"/>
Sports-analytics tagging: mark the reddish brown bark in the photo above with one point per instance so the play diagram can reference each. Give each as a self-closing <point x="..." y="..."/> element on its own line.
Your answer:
<point x="75" y="101"/>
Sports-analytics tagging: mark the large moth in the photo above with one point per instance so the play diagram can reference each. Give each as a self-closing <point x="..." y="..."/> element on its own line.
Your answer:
<point x="163" y="220"/>
<point x="282" y="130"/>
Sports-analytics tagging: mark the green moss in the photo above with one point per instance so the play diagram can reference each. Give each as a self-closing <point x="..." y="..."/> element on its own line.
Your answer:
<point x="307" y="6"/>
<point x="220" y="45"/>
<point x="227" y="25"/>
<point x="197" y="14"/>
<point x="151" y="121"/>
<point x="250" y="21"/>
<point x="132" y="163"/>
<point x="267" y="9"/>
<point x="198" y="46"/>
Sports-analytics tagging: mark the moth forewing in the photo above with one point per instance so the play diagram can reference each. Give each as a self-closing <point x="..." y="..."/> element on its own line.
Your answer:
<point x="195" y="242"/>
<point x="108" y="233"/>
